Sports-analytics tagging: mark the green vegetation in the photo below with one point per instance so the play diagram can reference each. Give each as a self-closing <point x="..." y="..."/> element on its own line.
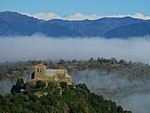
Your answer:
<point x="67" y="99"/>
<point x="135" y="70"/>
<point x="58" y="98"/>
<point x="19" y="85"/>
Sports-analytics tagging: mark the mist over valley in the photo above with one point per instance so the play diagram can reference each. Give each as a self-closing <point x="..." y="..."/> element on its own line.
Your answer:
<point x="118" y="80"/>
<point x="110" y="55"/>
<point x="39" y="47"/>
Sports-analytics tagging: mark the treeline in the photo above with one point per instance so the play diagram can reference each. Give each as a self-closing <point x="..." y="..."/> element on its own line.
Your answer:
<point x="56" y="98"/>
<point x="14" y="70"/>
<point x="136" y="70"/>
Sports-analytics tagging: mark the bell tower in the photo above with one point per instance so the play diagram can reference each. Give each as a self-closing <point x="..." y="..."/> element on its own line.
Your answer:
<point x="40" y="71"/>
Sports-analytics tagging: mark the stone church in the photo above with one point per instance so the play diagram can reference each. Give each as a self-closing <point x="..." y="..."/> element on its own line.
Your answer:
<point x="50" y="75"/>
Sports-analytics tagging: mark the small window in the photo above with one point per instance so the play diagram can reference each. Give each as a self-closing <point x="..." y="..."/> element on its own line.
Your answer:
<point x="39" y="70"/>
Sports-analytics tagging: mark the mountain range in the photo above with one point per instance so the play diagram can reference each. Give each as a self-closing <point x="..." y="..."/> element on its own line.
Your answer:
<point x="16" y="24"/>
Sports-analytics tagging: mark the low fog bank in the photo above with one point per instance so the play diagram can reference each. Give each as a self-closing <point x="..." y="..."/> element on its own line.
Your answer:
<point x="40" y="47"/>
<point x="138" y="103"/>
<point x="133" y="95"/>
<point x="6" y="84"/>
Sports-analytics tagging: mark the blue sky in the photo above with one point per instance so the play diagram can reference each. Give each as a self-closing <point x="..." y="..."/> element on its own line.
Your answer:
<point x="69" y="7"/>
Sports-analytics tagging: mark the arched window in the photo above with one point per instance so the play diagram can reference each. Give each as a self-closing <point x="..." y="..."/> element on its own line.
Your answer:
<point x="39" y="70"/>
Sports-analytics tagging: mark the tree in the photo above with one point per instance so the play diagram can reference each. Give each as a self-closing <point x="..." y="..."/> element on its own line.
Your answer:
<point x="98" y="59"/>
<point x="63" y="85"/>
<point x="17" y="88"/>
<point x="91" y="59"/>
<point x="40" y="84"/>
<point x="51" y="85"/>
<point x="20" y="83"/>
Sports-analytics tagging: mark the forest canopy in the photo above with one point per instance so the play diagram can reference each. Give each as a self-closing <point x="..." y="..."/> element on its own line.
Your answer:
<point x="57" y="99"/>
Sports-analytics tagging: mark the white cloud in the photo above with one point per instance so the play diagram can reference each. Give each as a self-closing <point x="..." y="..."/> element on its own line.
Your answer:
<point x="50" y="15"/>
<point x="140" y="15"/>
<point x="44" y="16"/>
<point x="80" y="16"/>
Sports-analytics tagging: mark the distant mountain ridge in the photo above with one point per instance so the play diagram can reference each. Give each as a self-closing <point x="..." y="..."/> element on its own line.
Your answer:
<point x="13" y="23"/>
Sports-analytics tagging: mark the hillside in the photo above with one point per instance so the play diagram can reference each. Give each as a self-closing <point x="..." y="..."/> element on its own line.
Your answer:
<point x="54" y="99"/>
<point x="13" y="23"/>
<point x="121" y="81"/>
<point x="133" y="70"/>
